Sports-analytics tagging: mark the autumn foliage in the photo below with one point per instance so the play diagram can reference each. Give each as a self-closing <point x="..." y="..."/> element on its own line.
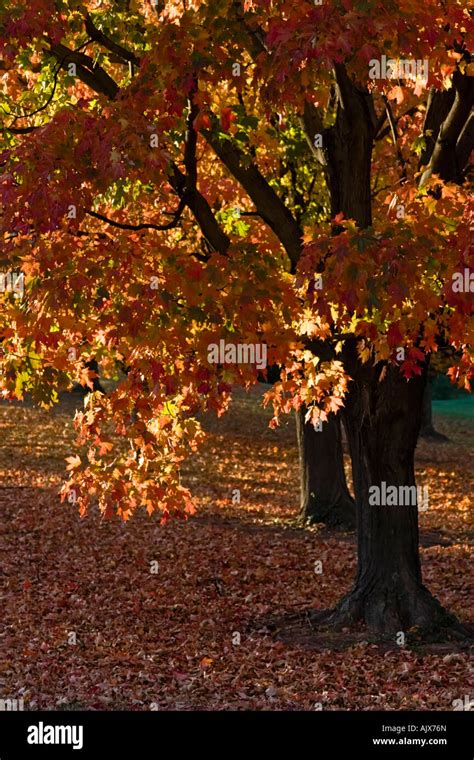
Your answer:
<point x="162" y="189"/>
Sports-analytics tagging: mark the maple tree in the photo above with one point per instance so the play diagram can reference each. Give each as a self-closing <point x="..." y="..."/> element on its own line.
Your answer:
<point x="180" y="173"/>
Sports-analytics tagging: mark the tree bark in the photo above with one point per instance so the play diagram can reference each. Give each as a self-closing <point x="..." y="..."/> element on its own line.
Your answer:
<point x="454" y="139"/>
<point x="346" y="157"/>
<point x="325" y="497"/>
<point x="383" y="417"/>
<point x="349" y="151"/>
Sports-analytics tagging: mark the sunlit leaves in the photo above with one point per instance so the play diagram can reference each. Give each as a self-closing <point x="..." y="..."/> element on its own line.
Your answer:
<point x="147" y="303"/>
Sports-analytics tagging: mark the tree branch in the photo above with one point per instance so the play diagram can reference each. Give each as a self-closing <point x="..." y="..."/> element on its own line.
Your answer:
<point x="95" y="34"/>
<point x="350" y="97"/>
<point x="313" y="125"/>
<point x="381" y="133"/>
<point x="437" y="108"/>
<point x="20" y="130"/>
<point x="393" y="129"/>
<point x="123" y="226"/>
<point x="190" y="142"/>
<point x="256" y="36"/>
<point x="443" y="160"/>
<point x="92" y="75"/>
<point x="465" y="146"/>
<point x="268" y="204"/>
<point x="202" y="211"/>
<point x="186" y="184"/>
<point x="26" y="130"/>
<point x="98" y="79"/>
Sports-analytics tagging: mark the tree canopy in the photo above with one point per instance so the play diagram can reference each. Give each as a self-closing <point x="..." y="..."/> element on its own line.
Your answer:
<point x="168" y="181"/>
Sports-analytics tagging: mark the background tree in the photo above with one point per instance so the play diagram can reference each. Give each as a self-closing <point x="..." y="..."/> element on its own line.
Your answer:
<point x="324" y="495"/>
<point x="146" y="199"/>
<point x="427" y="428"/>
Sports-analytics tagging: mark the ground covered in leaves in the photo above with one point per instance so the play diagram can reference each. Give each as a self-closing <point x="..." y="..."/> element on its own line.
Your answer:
<point x="174" y="617"/>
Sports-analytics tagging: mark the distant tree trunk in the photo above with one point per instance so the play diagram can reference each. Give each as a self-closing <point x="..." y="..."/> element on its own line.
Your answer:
<point x="427" y="427"/>
<point x="94" y="367"/>
<point x="325" y="497"/>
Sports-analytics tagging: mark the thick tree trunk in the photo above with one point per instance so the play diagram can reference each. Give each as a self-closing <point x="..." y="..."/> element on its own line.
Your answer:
<point x="383" y="417"/>
<point x="427" y="429"/>
<point x="349" y="152"/>
<point x="325" y="497"/>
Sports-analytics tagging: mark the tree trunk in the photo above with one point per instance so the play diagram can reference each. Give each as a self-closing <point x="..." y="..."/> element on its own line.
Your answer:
<point x="325" y="497"/>
<point x="347" y="156"/>
<point x="383" y="418"/>
<point x="427" y="429"/>
<point x="349" y="152"/>
<point x="93" y="365"/>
